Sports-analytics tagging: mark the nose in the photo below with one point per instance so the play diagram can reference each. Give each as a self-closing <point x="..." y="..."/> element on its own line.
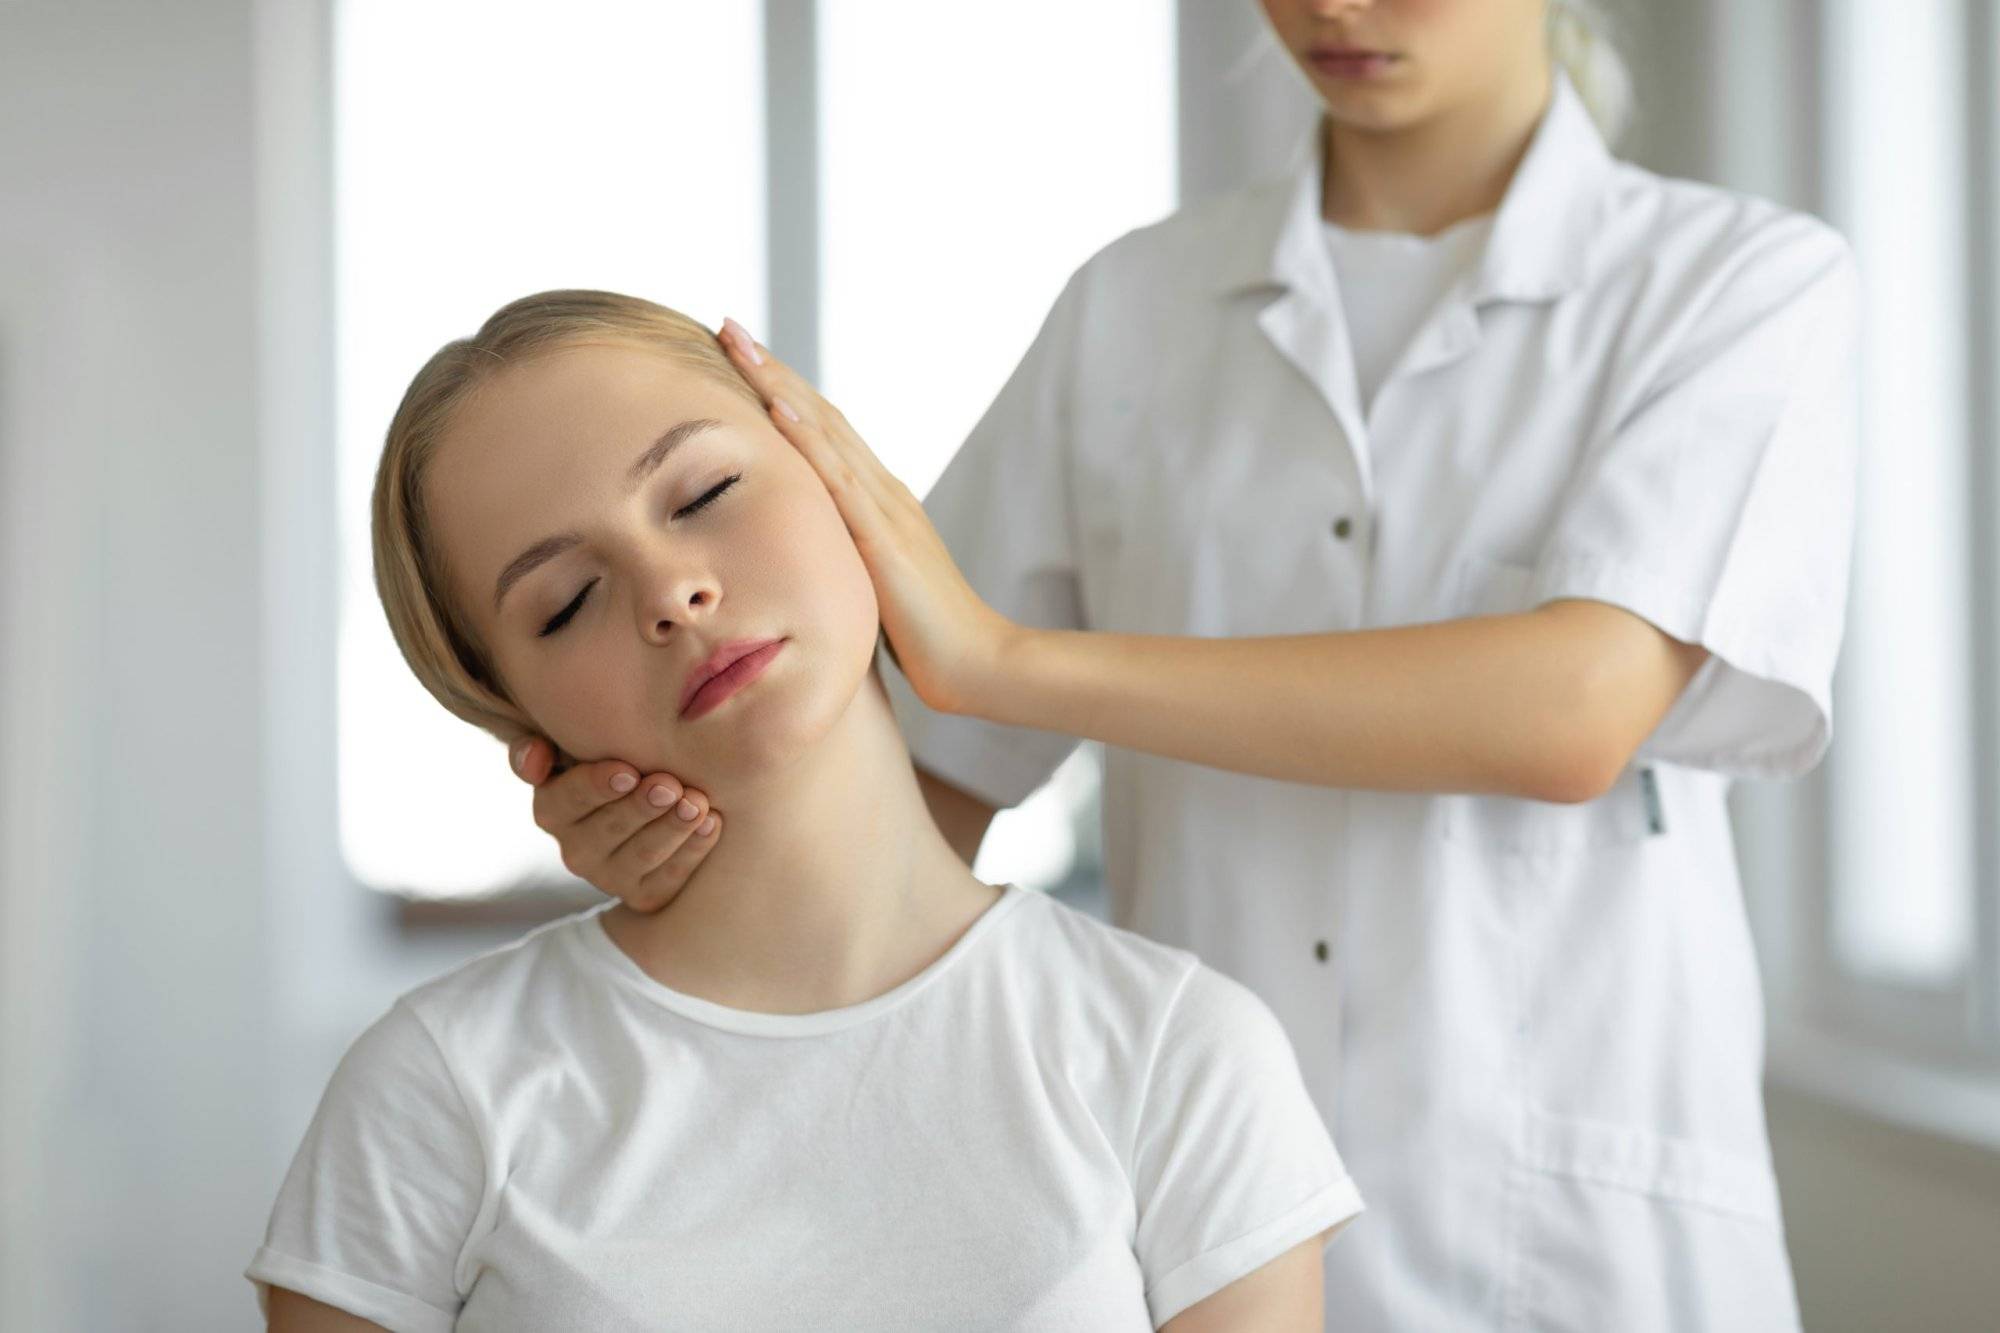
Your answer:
<point x="679" y="595"/>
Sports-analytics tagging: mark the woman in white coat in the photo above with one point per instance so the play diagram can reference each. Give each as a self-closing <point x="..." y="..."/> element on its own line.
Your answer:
<point x="1452" y="520"/>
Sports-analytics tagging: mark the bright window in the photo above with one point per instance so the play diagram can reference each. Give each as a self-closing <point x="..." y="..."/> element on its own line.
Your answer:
<point x="971" y="159"/>
<point x="1903" y="828"/>
<point x="968" y="161"/>
<point x="485" y="151"/>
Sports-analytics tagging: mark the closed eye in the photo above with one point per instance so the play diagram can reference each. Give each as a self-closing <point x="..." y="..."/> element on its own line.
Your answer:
<point x="707" y="497"/>
<point x="562" y="617"/>
<point x="694" y="506"/>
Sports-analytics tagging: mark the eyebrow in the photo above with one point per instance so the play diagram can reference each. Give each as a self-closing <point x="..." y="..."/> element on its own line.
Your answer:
<point x="548" y="548"/>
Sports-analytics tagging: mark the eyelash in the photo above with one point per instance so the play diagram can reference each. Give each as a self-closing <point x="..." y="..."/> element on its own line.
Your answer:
<point x="708" y="497"/>
<point x="694" y="506"/>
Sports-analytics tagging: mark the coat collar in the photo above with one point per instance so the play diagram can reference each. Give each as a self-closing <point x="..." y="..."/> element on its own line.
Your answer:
<point x="1539" y="246"/>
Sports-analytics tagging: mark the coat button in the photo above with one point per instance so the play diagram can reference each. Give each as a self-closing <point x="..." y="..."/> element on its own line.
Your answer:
<point x="1320" y="951"/>
<point x="1343" y="527"/>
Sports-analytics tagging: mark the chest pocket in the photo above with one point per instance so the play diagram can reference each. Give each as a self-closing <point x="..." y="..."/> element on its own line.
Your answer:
<point x="1516" y="826"/>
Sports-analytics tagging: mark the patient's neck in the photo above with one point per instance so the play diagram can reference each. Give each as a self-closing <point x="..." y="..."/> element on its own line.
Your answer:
<point x="830" y="884"/>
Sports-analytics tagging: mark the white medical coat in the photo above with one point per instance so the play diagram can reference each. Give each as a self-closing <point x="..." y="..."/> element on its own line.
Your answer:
<point x="1535" y="1029"/>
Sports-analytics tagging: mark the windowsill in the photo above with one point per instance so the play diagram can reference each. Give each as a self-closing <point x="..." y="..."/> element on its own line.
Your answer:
<point x="1958" y="1105"/>
<point x="521" y="908"/>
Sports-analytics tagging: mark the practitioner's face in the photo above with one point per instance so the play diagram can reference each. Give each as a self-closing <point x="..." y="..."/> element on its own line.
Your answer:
<point x="548" y="449"/>
<point x="1441" y="53"/>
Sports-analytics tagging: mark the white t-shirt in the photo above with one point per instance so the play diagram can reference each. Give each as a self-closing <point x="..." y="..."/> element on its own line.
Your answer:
<point x="1390" y="280"/>
<point x="1057" y="1125"/>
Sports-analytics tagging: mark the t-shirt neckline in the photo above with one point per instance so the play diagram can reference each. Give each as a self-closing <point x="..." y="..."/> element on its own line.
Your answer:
<point x="598" y="947"/>
<point x="1458" y="233"/>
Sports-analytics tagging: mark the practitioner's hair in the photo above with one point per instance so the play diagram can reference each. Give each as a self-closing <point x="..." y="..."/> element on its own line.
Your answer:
<point x="1580" y="41"/>
<point x="437" y="639"/>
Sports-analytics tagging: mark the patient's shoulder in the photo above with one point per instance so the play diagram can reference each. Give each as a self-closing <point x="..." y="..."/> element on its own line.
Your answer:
<point x="1093" y="956"/>
<point x="1150" y="992"/>
<point x="487" y="996"/>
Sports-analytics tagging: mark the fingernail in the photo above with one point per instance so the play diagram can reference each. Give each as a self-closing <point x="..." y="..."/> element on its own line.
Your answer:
<point x="623" y="782"/>
<point x="662" y="796"/>
<point x="784" y="409"/>
<point x="707" y="826"/>
<point x="519" y="754"/>
<point x="688" y="810"/>
<point x="744" y="342"/>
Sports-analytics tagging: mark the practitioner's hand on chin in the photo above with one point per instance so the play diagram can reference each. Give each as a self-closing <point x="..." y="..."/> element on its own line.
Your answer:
<point x="945" y="639"/>
<point x="638" y="839"/>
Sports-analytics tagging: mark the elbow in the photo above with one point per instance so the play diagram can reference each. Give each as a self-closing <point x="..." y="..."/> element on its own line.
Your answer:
<point x="1574" y="773"/>
<point x="1581" y="749"/>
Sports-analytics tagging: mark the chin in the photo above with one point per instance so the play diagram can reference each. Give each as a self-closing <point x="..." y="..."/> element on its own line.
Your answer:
<point x="772" y="725"/>
<point x="1380" y="111"/>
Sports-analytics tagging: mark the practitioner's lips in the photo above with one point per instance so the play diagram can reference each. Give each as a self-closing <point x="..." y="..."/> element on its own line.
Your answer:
<point x="1350" y="62"/>
<point x="724" y="672"/>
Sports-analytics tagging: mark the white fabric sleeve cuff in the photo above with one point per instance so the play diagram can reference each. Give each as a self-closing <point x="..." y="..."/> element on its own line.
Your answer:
<point x="1761" y="708"/>
<point x="1206" y="1274"/>
<point x="393" y="1310"/>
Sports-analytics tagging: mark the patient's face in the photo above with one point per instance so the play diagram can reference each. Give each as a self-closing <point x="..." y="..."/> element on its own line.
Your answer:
<point x="730" y="538"/>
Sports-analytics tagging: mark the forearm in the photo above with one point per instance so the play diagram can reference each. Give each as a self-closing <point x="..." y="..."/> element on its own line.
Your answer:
<point x="1515" y="704"/>
<point x="962" y="817"/>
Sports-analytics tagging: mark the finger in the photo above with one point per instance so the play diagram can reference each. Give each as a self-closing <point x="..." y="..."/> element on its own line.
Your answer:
<point x="846" y="486"/>
<point x="767" y="373"/>
<point x="614" y="866"/>
<point x="600" y="834"/>
<point x="802" y="401"/>
<point x="873" y="502"/>
<point x="842" y="458"/>
<point x="580" y="792"/>
<point x="777" y="383"/>
<point x="533" y="760"/>
<point x="693" y="805"/>
<point x="791" y="395"/>
<point x="664" y="881"/>
<point x="798" y="404"/>
<point x="859" y="492"/>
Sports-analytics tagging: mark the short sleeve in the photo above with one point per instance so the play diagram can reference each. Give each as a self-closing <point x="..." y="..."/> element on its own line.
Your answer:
<point x="1003" y="507"/>
<point x="1232" y="1165"/>
<point x="382" y="1196"/>
<point x="1721" y="506"/>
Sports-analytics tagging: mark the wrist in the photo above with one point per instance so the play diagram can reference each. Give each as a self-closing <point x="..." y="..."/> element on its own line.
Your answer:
<point x="996" y="669"/>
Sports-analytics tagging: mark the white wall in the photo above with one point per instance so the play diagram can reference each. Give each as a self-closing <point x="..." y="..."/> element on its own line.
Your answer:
<point x="180" y="958"/>
<point x="135" y="984"/>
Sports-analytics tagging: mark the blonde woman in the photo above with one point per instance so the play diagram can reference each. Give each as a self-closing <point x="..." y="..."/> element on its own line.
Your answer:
<point x="842" y="1084"/>
<point x="1431" y="535"/>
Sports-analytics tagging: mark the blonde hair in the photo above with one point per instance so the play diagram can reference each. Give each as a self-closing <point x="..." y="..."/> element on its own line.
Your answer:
<point x="1579" y="41"/>
<point x="436" y="638"/>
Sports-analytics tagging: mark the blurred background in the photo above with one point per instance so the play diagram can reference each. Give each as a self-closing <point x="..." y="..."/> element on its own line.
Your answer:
<point x="232" y="828"/>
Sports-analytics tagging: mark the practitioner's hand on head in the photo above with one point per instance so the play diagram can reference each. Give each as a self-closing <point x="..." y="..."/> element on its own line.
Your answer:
<point x="945" y="639"/>
<point x="638" y="839"/>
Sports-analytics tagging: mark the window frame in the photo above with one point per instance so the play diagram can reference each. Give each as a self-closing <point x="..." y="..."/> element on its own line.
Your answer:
<point x="1982" y="47"/>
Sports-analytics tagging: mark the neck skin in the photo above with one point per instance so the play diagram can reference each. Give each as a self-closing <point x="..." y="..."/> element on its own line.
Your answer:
<point x="1450" y="166"/>
<point x="830" y="884"/>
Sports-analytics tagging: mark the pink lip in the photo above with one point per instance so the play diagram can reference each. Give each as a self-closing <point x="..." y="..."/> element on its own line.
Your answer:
<point x="1349" y="63"/>
<point x="727" y="670"/>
